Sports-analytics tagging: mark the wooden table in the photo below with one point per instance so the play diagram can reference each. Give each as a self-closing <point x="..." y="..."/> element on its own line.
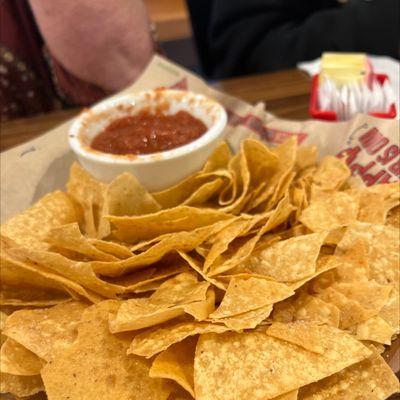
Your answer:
<point x="286" y="94"/>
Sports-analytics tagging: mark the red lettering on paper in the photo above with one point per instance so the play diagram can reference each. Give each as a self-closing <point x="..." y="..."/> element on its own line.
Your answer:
<point x="255" y="124"/>
<point x="395" y="168"/>
<point x="389" y="154"/>
<point x="180" y="85"/>
<point x="350" y="154"/>
<point x="373" y="141"/>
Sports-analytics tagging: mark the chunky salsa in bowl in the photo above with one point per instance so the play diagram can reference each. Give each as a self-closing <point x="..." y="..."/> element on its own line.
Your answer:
<point x="161" y="136"/>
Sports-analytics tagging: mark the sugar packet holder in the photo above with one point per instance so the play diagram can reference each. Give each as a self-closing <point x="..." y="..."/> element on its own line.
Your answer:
<point x="318" y="110"/>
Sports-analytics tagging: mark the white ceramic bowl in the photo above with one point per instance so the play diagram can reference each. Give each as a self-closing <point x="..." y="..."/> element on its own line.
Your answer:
<point x="155" y="171"/>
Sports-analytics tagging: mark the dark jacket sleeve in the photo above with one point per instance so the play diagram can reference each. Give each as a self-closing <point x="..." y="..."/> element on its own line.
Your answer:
<point x="251" y="36"/>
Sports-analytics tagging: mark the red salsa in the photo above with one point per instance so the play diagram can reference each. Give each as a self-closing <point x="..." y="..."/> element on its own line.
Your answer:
<point x="146" y="133"/>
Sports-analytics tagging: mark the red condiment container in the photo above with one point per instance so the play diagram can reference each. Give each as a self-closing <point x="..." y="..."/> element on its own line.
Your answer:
<point x="317" y="113"/>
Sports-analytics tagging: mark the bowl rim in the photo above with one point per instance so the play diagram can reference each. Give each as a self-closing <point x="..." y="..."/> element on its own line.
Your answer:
<point x="210" y="135"/>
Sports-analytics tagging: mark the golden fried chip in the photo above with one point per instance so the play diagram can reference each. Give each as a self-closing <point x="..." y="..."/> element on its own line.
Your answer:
<point x="89" y="193"/>
<point x="331" y="174"/>
<point x="306" y="156"/>
<point x="19" y="272"/>
<point x="197" y="265"/>
<point x="370" y="295"/>
<point x="370" y="379"/>
<point x="375" y="329"/>
<point x="17" y="360"/>
<point x="311" y="308"/>
<point x="125" y="196"/>
<point x="288" y="396"/>
<point x="113" y="248"/>
<point x="351" y="312"/>
<point x="321" y="339"/>
<point x="78" y="272"/>
<point x="21" y="386"/>
<point x="31" y="227"/>
<point x="181" y="241"/>
<point x="390" y="312"/>
<point x="289" y="260"/>
<point x="222" y="240"/>
<point x="181" y="289"/>
<point x="181" y="218"/>
<point x="393" y="217"/>
<point x="138" y="280"/>
<point x="141" y="313"/>
<point x="246" y="320"/>
<point x="200" y="310"/>
<point x="167" y="302"/>
<point x="157" y="339"/>
<point x="324" y="265"/>
<point x="240" y="254"/>
<point x="261" y="364"/>
<point x="383" y="243"/>
<point x="70" y="237"/>
<point x="354" y="266"/>
<point x="177" y="363"/>
<point x="250" y="294"/>
<point x="3" y="317"/>
<point x="96" y="365"/>
<point x="45" y="331"/>
<point x="331" y="212"/>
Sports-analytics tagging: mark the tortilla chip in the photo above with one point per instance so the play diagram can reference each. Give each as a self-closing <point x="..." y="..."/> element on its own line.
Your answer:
<point x="370" y="295"/>
<point x="331" y="173"/>
<point x="351" y="312"/>
<point x="375" y="329"/>
<point x="306" y="157"/>
<point x="23" y="273"/>
<point x="391" y="310"/>
<point x="321" y="339"/>
<point x="167" y="302"/>
<point x="383" y="244"/>
<point x="22" y="386"/>
<point x="247" y="320"/>
<point x="137" y="281"/>
<point x="243" y="251"/>
<point x="17" y="360"/>
<point x="393" y="217"/>
<point x="354" y="266"/>
<point x="78" y="272"/>
<point x="282" y="261"/>
<point x="181" y="289"/>
<point x="325" y="265"/>
<point x="89" y="193"/>
<point x="370" y="379"/>
<point x="200" y="310"/>
<point x="250" y="294"/>
<point x="141" y="313"/>
<point x="70" y="237"/>
<point x="96" y="365"/>
<point x="181" y="241"/>
<point x="45" y="332"/>
<point x="124" y="196"/>
<point x="261" y="364"/>
<point x="31" y="227"/>
<point x="334" y="211"/>
<point x="222" y="240"/>
<point x="311" y="308"/>
<point x="115" y="249"/>
<point x="158" y="339"/>
<point x="177" y="363"/>
<point x="181" y="218"/>
<point x="197" y="265"/>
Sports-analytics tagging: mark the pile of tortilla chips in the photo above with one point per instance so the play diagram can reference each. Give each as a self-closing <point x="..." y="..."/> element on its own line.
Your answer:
<point x="265" y="275"/>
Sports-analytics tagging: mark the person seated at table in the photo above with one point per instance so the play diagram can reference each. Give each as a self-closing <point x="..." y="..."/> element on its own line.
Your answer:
<point x="253" y="36"/>
<point x="59" y="53"/>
